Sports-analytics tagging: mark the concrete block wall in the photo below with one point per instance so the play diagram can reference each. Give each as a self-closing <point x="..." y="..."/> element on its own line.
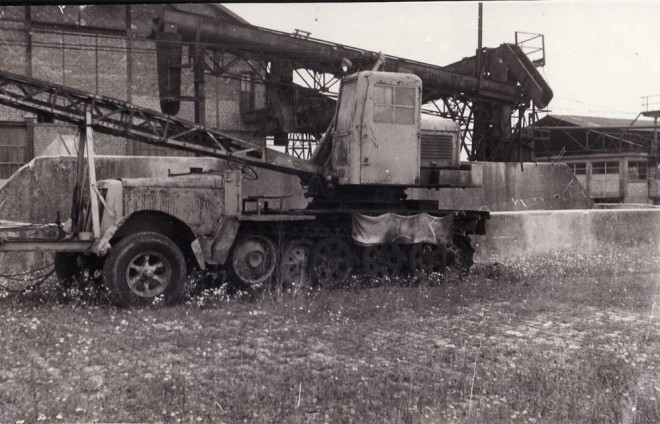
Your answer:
<point x="512" y="234"/>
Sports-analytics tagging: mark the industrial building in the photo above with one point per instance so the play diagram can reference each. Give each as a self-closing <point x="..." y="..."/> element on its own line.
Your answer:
<point x="612" y="158"/>
<point x="106" y="50"/>
<point x="261" y="85"/>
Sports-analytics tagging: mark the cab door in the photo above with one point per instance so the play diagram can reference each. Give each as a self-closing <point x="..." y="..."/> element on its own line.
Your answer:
<point x="345" y="146"/>
<point x="390" y="134"/>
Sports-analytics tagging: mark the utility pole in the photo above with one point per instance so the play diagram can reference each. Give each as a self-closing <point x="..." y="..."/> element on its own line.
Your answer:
<point x="479" y="39"/>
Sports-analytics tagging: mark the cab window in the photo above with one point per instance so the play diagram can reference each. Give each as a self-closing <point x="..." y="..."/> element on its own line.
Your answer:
<point x="394" y="104"/>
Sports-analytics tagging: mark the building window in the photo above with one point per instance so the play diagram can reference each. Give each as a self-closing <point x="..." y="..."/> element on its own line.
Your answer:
<point x="579" y="168"/>
<point x="247" y="92"/>
<point x="13" y="149"/>
<point x="394" y="105"/>
<point x="599" y="168"/>
<point x="637" y="171"/>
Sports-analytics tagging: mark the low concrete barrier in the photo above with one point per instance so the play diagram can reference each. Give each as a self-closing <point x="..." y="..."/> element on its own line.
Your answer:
<point x="511" y="234"/>
<point x="511" y="186"/>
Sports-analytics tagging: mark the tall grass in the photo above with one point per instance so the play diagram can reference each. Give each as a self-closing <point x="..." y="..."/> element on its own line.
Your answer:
<point x="558" y="338"/>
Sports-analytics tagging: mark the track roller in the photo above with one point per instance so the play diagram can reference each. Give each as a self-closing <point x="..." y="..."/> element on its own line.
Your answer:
<point x="382" y="260"/>
<point x="331" y="262"/>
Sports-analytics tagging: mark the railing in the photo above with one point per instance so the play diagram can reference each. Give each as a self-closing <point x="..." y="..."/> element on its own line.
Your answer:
<point x="533" y="45"/>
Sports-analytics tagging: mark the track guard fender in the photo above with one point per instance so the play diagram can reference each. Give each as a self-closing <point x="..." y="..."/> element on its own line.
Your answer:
<point x="102" y="246"/>
<point x="223" y="240"/>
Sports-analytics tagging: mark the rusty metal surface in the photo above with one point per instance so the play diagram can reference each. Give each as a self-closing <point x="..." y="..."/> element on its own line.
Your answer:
<point x="275" y="218"/>
<point x="37" y="245"/>
<point x="184" y="181"/>
<point x="197" y="201"/>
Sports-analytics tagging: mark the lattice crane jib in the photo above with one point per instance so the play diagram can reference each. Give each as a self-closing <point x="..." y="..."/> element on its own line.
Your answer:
<point x="119" y="118"/>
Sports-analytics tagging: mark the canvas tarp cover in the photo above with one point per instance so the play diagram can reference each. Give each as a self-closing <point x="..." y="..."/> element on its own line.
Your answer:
<point x="393" y="228"/>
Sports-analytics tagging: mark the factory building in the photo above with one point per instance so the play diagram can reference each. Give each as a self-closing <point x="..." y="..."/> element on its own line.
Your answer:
<point x="107" y="50"/>
<point x="612" y="158"/>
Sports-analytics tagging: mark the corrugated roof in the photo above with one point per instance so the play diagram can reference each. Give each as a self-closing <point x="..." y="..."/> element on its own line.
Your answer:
<point x="595" y="121"/>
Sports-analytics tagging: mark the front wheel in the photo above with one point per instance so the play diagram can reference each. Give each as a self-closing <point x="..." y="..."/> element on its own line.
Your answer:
<point x="145" y="266"/>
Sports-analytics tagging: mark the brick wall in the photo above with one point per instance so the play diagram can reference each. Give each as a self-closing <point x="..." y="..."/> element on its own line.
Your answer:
<point x="90" y="48"/>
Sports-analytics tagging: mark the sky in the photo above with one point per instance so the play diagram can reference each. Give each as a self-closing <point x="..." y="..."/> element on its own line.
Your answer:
<point x="602" y="57"/>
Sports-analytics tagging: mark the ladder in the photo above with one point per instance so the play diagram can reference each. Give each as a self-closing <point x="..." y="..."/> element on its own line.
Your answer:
<point x="123" y="119"/>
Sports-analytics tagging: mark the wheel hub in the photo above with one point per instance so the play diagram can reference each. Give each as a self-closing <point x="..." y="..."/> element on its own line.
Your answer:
<point x="148" y="274"/>
<point x="428" y="258"/>
<point x="383" y="260"/>
<point x="331" y="261"/>
<point x="254" y="259"/>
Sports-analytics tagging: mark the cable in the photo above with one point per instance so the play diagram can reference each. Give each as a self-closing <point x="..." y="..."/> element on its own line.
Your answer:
<point x="32" y="271"/>
<point x="33" y="274"/>
<point x="28" y="288"/>
<point x="579" y="101"/>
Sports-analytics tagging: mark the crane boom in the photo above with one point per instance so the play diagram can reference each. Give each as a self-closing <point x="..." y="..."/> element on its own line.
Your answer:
<point x="123" y="119"/>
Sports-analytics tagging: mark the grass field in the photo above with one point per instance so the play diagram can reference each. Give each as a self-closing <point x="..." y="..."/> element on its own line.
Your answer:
<point x="563" y="338"/>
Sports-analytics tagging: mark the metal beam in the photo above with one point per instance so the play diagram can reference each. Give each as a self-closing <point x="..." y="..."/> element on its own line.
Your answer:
<point x="23" y="245"/>
<point x="325" y="57"/>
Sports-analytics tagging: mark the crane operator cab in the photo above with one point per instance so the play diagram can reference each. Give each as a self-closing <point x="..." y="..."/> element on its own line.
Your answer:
<point x="380" y="137"/>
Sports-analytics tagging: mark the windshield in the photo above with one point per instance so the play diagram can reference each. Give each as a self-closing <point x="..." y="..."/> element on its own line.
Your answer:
<point x="346" y="106"/>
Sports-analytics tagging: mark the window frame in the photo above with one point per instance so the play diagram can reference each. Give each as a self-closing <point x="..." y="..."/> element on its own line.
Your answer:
<point x="605" y="168"/>
<point x="581" y="166"/>
<point x="642" y="166"/>
<point x="396" y="109"/>
<point x="17" y="154"/>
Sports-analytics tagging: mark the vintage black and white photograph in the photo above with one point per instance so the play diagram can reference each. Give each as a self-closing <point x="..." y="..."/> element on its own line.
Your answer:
<point x="395" y="212"/>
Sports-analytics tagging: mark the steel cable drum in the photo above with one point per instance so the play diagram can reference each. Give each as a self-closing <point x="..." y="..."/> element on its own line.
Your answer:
<point x="169" y="51"/>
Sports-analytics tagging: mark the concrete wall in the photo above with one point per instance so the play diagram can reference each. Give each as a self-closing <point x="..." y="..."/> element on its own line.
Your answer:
<point x="508" y="186"/>
<point x="511" y="234"/>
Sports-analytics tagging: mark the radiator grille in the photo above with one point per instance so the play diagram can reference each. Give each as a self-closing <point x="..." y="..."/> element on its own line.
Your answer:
<point x="438" y="148"/>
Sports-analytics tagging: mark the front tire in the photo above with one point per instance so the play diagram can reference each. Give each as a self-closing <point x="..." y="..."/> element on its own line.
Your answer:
<point x="143" y="267"/>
